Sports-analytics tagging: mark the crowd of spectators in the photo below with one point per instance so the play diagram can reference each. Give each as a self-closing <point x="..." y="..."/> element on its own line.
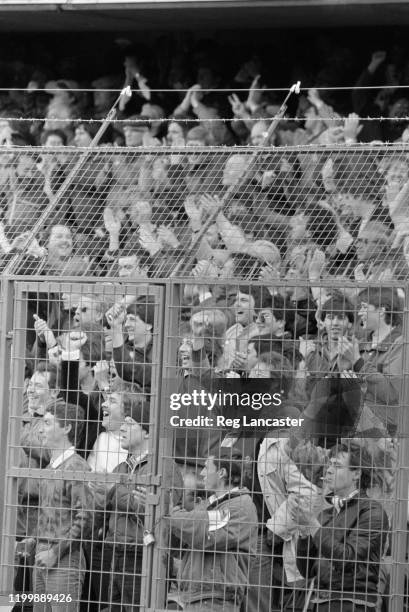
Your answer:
<point x="246" y="520"/>
<point x="334" y="208"/>
<point x="287" y="516"/>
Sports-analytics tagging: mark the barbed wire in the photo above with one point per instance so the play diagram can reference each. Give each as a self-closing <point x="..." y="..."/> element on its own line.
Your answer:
<point x="146" y="120"/>
<point x="204" y="90"/>
<point x="166" y="148"/>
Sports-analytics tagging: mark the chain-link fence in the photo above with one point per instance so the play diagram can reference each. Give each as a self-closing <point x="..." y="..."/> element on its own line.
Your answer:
<point x="244" y="452"/>
<point x="311" y="212"/>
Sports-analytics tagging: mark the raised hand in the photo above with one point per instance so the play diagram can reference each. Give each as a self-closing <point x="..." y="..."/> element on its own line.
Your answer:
<point x="101" y="374"/>
<point x="210" y="204"/>
<point x="255" y="94"/>
<point x="116" y="315"/>
<point x="378" y="57"/>
<point x="167" y="236"/>
<point x="359" y="273"/>
<point x="205" y="269"/>
<point x="196" y="95"/>
<point x="43" y="331"/>
<point x="314" y="98"/>
<point x="306" y="347"/>
<point x="270" y="274"/>
<point x="238" y="107"/>
<point x="316" y="264"/>
<point x="112" y="220"/>
<point x="352" y="129"/>
<point x="193" y="212"/>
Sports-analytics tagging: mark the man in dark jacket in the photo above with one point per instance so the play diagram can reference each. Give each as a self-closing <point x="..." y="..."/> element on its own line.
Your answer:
<point x="342" y="550"/>
<point x="125" y="502"/>
<point x="132" y="340"/>
<point x="219" y="537"/>
<point x="65" y="509"/>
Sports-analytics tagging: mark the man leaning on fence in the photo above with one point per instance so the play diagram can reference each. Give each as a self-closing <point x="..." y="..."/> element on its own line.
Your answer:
<point x="340" y="551"/>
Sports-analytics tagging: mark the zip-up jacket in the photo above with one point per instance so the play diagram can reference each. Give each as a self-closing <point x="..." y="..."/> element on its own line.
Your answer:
<point x="345" y="553"/>
<point x="220" y="537"/>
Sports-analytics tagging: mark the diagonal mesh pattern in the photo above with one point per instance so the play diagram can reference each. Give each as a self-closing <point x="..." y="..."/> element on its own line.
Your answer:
<point x="309" y="212"/>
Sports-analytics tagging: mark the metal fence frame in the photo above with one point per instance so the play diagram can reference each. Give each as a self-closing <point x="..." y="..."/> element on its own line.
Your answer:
<point x="168" y="291"/>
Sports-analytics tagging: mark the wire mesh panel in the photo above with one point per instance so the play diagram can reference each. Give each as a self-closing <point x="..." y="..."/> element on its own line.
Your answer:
<point x="308" y="212"/>
<point x="286" y="412"/>
<point x="81" y="458"/>
<point x="213" y="446"/>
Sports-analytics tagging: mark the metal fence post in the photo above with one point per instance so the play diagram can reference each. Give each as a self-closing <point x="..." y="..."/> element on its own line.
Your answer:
<point x="6" y="325"/>
<point x="154" y="428"/>
<point x="13" y="363"/>
<point x="164" y="448"/>
<point x="400" y="519"/>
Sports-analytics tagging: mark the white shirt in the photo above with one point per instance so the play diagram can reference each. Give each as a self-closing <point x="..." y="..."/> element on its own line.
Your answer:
<point x="69" y="452"/>
<point x="280" y="479"/>
<point x="106" y="453"/>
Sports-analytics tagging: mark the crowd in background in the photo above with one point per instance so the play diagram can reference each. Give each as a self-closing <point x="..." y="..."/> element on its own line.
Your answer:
<point x="245" y="521"/>
<point x="123" y="210"/>
<point x="236" y="507"/>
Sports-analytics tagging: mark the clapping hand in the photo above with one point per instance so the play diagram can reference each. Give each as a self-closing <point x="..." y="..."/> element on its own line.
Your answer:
<point x="167" y="236"/>
<point x="270" y="274"/>
<point x="139" y="496"/>
<point x="239" y="361"/>
<point x="205" y="269"/>
<point x="299" y="511"/>
<point x="46" y="559"/>
<point x="348" y="351"/>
